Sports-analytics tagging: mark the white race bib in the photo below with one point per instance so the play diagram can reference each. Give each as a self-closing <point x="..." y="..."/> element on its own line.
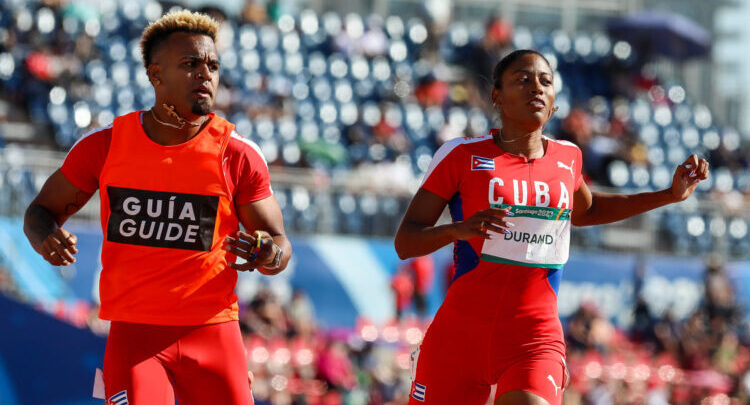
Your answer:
<point x="540" y="238"/>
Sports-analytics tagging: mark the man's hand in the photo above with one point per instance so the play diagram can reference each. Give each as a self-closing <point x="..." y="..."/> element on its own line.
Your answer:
<point x="58" y="248"/>
<point x="687" y="176"/>
<point x="245" y="246"/>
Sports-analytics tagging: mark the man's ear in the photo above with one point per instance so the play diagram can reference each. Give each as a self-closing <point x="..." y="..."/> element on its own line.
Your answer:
<point x="154" y="74"/>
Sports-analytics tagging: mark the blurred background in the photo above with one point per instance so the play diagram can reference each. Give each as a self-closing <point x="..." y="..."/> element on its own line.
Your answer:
<point x="348" y="102"/>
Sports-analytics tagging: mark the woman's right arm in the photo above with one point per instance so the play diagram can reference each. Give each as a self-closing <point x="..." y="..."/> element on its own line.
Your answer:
<point x="418" y="236"/>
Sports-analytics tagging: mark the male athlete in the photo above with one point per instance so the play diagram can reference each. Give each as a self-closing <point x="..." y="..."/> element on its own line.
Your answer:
<point x="175" y="183"/>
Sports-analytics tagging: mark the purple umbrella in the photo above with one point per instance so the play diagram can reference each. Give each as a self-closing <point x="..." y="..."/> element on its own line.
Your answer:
<point x="662" y="33"/>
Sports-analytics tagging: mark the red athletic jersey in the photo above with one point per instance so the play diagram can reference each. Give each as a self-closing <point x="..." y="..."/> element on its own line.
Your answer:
<point x="473" y="173"/>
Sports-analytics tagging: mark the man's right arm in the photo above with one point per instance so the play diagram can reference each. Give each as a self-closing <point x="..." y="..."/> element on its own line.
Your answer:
<point x="55" y="203"/>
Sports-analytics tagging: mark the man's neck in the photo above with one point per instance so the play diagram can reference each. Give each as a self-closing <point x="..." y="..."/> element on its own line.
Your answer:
<point x="167" y="135"/>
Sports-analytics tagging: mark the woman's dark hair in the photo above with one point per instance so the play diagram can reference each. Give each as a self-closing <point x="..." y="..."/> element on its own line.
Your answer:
<point x="502" y="66"/>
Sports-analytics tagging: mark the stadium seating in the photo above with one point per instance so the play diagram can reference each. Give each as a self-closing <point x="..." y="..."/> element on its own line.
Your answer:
<point x="337" y="92"/>
<point x="343" y="95"/>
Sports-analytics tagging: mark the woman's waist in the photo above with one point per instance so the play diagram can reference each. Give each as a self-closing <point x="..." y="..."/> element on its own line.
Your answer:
<point x="505" y="291"/>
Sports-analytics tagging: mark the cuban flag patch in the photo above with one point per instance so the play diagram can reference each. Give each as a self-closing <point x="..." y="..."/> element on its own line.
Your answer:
<point x="482" y="163"/>
<point x="121" y="398"/>
<point x="418" y="391"/>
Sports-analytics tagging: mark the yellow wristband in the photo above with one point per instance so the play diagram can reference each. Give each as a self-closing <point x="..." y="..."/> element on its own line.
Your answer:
<point x="259" y="239"/>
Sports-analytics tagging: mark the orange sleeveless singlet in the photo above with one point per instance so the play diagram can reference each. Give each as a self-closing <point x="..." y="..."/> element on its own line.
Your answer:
<point x="165" y="211"/>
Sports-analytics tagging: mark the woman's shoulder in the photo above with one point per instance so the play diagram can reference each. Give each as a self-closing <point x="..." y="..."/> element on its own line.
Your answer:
<point x="463" y="142"/>
<point x="564" y="146"/>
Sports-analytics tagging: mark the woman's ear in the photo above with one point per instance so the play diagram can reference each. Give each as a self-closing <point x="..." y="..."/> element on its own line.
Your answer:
<point x="496" y="98"/>
<point x="551" y="112"/>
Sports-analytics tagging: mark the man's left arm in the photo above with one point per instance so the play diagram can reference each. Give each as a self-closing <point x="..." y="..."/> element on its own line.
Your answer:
<point x="270" y="255"/>
<point x="600" y="208"/>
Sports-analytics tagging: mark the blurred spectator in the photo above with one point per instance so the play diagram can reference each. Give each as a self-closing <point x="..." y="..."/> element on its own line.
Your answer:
<point x="720" y="302"/>
<point x="667" y="334"/>
<point x="587" y="329"/>
<point x="413" y="281"/>
<point x="254" y="13"/>
<point x="335" y="367"/>
<point x="301" y="314"/>
<point x="643" y="323"/>
<point x="402" y="285"/>
<point x="499" y="33"/>
<point x="431" y="92"/>
<point x="214" y="12"/>
<point x="423" y="272"/>
<point x="486" y="52"/>
<point x="576" y="127"/>
<point x="264" y="317"/>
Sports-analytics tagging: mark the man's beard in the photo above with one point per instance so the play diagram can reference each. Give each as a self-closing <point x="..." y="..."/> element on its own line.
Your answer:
<point x="201" y="107"/>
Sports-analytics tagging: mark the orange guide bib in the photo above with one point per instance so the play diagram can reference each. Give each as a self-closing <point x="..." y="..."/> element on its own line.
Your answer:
<point x="165" y="211"/>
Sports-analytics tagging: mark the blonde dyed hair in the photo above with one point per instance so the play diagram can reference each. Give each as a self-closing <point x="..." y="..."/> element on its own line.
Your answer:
<point x="176" y="21"/>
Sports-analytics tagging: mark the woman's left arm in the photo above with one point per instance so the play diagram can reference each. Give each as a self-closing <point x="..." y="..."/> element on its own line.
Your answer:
<point x="600" y="208"/>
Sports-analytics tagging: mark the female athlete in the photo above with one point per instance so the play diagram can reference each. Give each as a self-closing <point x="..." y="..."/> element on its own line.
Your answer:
<point x="512" y="195"/>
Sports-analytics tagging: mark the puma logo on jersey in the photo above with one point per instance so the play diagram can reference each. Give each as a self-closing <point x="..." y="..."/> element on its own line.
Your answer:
<point x="552" y="380"/>
<point x="562" y="165"/>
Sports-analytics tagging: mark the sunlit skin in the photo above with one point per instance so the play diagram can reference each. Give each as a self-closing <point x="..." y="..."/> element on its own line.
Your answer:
<point x="185" y="75"/>
<point x="525" y="101"/>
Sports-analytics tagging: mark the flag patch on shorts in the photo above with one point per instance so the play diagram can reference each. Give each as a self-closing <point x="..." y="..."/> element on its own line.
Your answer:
<point x="419" y="391"/>
<point x="482" y="163"/>
<point x="121" y="398"/>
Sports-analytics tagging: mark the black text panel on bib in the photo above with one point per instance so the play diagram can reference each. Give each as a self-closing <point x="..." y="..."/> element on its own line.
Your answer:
<point x="161" y="219"/>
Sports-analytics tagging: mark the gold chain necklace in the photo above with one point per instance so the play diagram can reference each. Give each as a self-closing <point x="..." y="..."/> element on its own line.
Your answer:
<point x="173" y="113"/>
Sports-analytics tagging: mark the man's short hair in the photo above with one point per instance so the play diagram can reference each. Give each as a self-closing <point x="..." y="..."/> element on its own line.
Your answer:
<point x="177" y="21"/>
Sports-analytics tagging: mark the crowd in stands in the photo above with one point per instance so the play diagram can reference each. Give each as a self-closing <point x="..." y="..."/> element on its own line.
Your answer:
<point x="374" y="98"/>
<point x="659" y="360"/>
<point x="702" y="359"/>
<point x="294" y="361"/>
<point x="367" y="100"/>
